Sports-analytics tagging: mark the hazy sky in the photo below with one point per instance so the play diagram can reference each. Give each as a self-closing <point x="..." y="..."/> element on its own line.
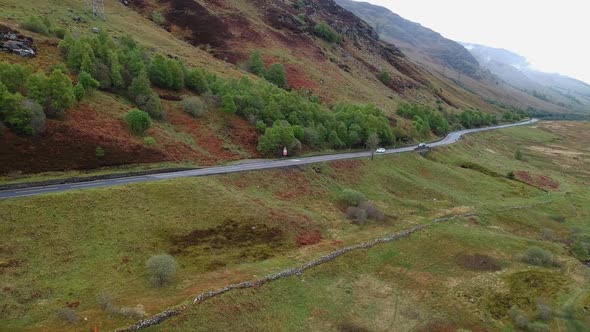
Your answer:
<point x="553" y="35"/>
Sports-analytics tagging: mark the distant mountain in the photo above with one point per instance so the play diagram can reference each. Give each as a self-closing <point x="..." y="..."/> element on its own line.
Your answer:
<point x="516" y="71"/>
<point x="413" y="37"/>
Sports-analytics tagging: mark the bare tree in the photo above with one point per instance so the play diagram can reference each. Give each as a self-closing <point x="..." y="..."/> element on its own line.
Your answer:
<point x="372" y="143"/>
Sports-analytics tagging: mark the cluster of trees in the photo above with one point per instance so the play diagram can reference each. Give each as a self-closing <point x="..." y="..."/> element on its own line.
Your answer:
<point x="427" y="120"/>
<point x="293" y="118"/>
<point x="275" y="73"/>
<point x="121" y="67"/>
<point x="27" y="99"/>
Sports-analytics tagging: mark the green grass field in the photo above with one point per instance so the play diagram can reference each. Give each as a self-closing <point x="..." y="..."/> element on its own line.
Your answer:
<point x="64" y="249"/>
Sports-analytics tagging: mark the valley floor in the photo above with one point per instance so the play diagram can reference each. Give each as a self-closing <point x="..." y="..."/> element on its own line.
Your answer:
<point x="62" y="250"/>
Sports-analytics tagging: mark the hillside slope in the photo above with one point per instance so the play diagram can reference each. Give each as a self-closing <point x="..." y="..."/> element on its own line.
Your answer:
<point x="412" y="36"/>
<point x="78" y="248"/>
<point x="515" y="70"/>
<point x="219" y="37"/>
<point x="450" y="60"/>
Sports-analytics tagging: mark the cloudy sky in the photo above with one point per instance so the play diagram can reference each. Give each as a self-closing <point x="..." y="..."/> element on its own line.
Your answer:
<point x="553" y="35"/>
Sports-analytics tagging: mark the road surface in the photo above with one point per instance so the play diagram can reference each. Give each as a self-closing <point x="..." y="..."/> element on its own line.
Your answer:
<point x="258" y="165"/>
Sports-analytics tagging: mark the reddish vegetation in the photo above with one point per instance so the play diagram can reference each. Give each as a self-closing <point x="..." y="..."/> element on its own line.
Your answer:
<point x="243" y="134"/>
<point x="441" y="326"/>
<point x="298" y="185"/>
<point x="204" y="136"/>
<point x="306" y="238"/>
<point x="205" y="28"/>
<point x="348" y="170"/>
<point x="73" y="305"/>
<point x="298" y="79"/>
<point x="539" y="181"/>
<point x="478" y="262"/>
<point x="72" y="143"/>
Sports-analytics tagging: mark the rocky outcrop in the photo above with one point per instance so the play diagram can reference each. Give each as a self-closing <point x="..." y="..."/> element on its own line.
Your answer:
<point x="12" y="41"/>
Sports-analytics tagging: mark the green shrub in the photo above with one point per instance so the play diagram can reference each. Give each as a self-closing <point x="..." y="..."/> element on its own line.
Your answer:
<point x="540" y="257"/>
<point x="518" y="155"/>
<point x="87" y="81"/>
<point x="99" y="152"/>
<point x="54" y="92"/>
<point x="14" y="76"/>
<point x="79" y="92"/>
<point x="38" y="117"/>
<point x="166" y="73"/>
<point x="228" y="104"/>
<point x="149" y="140"/>
<point x="384" y="77"/>
<point x="352" y="197"/>
<point x="276" y="137"/>
<point x="194" y="107"/>
<point x="158" y="18"/>
<point x="140" y="86"/>
<point x="256" y="65"/>
<point x="59" y="32"/>
<point x="151" y="104"/>
<point x="23" y="116"/>
<point x="260" y="126"/>
<point x="161" y="269"/>
<point x="138" y="121"/>
<point x="196" y="81"/>
<point x="276" y="75"/>
<point x="326" y="32"/>
<point x="37" y="25"/>
<point x="511" y="175"/>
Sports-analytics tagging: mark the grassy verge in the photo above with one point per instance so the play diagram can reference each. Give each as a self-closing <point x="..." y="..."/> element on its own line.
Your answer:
<point x="63" y="249"/>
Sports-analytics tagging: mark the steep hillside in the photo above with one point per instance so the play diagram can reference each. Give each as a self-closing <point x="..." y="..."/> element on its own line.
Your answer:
<point x="515" y="70"/>
<point x="331" y="57"/>
<point x="410" y="36"/>
<point x="450" y="61"/>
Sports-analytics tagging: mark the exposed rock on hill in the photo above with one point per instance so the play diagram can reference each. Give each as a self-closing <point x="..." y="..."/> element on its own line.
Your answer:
<point x="12" y="41"/>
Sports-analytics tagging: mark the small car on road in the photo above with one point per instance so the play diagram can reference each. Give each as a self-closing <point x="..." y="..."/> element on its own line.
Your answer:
<point x="380" y="150"/>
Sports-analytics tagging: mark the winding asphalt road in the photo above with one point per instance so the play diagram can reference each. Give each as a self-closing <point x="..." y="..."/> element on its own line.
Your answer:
<point x="258" y="165"/>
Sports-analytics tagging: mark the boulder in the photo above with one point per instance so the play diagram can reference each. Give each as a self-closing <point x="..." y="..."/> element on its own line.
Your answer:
<point x="12" y="41"/>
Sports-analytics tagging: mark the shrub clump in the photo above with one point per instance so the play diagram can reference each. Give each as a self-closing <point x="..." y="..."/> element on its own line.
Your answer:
<point x="158" y="18"/>
<point x="194" y="107"/>
<point x="352" y="197"/>
<point x="365" y="210"/>
<point x="327" y="33"/>
<point x="138" y="121"/>
<point x="54" y="92"/>
<point x="161" y="269"/>
<point x="67" y="315"/>
<point x="149" y="140"/>
<point x="38" y="25"/>
<point x="540" y="257"/>
<point x="256" y="65"/>
<point x="277" y="75"/>
<point x="384" y="77"/>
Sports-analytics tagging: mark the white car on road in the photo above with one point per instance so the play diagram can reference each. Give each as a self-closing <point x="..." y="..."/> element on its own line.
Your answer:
<point x="380" y="150"/>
